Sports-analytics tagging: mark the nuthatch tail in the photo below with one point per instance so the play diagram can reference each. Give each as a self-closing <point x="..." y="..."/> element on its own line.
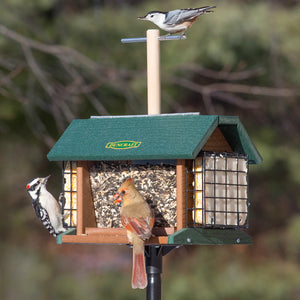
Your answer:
<point x="176" y="20"/>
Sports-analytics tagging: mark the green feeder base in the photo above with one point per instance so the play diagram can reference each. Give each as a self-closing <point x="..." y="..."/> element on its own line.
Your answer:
<point x="203" y="236"/>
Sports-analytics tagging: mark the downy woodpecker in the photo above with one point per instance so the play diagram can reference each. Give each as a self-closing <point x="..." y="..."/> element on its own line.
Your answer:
<point x="176" y="20"/>
<point x="45" y="206"/>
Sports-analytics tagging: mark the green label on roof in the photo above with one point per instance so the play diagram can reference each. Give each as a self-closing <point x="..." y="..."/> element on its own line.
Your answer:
<point x="121" y="145"/>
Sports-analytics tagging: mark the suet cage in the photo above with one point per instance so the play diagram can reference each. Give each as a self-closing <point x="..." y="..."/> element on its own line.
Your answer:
<point x="217" y="190"/>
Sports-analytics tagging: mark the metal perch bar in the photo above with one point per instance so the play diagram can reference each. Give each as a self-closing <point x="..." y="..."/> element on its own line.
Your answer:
<point x="161" y="38"/>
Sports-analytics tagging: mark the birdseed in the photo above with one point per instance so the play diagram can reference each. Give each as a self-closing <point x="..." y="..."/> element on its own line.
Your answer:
<point x="156" y="182"/>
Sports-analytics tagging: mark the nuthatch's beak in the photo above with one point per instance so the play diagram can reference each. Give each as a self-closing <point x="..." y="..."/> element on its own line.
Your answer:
<point x="142" y="18"/>
<point x="117" y="198"/>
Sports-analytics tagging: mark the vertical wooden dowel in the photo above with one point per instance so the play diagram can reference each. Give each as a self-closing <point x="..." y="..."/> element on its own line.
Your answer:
<point x="153" y="71"/>
<point x="85" y="207"/>
<point x="80" y="193"/>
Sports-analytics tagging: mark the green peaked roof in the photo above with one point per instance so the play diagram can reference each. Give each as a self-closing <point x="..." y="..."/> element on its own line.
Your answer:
<point x="171" y="136"/>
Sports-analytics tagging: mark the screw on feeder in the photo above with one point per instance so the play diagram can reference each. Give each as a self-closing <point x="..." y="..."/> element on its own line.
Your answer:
<point x="153" y="65"/>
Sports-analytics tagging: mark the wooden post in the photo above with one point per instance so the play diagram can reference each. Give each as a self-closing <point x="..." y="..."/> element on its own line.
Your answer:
<point x="181" y="193"/>
<point x="85" y="208"/>
<point x="153" y="71"/>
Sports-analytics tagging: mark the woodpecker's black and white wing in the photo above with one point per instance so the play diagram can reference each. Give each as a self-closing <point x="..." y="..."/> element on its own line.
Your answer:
<point x="45" y="206"/>
<point x="180" y="16"/>
<point x="42" y="214"/>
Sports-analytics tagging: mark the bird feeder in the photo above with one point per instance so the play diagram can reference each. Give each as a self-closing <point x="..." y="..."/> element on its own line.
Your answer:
<point x="191" y="168"/>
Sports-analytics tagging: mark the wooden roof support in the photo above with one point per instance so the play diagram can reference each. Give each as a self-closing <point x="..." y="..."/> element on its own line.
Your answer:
<point x="181" y="193"/>
<point x="85" y="207"/>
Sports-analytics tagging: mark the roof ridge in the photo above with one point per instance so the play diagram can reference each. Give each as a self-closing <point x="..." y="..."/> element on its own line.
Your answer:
<point x="136" y="116"/>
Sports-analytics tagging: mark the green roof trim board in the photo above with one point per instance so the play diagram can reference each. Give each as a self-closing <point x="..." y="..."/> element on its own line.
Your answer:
<point x="147" y="137"/>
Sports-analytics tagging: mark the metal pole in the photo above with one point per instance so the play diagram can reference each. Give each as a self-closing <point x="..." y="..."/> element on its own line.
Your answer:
<point x="154" y="258"/>
<point x="153" y="71"/>
<point x="154" y="270"/>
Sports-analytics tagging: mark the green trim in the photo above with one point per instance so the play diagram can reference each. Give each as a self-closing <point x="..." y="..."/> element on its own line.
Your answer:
<point x="238" y="138"/>
<point x="203" y="236"/>
<point x="71" y="231"/>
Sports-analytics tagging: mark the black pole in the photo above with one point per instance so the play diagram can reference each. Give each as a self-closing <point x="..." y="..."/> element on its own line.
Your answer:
<point x="154" y="255"/>
<point x="154" y="270"/>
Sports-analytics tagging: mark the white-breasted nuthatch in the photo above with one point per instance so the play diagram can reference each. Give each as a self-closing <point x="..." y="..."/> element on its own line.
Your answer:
<point x="176" y="20"/>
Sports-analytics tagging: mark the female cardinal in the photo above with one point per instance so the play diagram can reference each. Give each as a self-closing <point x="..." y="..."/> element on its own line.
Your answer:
<point x="137" y="217"/>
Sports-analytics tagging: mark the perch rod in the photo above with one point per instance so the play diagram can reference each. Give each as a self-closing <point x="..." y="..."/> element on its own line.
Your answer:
<point x="161" y="38"/>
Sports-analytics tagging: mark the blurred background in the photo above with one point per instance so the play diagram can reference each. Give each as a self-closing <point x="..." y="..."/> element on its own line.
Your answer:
<point x="62" y="59"/>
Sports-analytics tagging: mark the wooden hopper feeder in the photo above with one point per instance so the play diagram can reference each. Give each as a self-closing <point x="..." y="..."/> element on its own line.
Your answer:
<point x="191" y="168"/>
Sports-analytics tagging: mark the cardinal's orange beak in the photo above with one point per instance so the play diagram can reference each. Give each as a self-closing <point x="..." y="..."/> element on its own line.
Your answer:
<point x="117" y="198"/>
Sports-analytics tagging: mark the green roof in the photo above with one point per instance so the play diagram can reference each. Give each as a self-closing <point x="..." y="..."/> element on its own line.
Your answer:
<point x="171" y="136"/>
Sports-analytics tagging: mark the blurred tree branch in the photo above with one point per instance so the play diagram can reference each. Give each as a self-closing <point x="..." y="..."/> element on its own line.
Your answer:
<point x="62" y="52"/>
<point x="228" y="92"/>
<point x="79" y="75"/>
<point x="7" y="78"/>
<point x="74" y="79"/>
<point x="223" y="75"/>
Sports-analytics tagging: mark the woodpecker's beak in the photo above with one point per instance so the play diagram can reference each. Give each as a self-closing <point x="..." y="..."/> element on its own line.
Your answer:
<point x="117" y="198"/>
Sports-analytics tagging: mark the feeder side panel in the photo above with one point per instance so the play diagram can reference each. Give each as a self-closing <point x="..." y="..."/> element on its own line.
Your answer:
<point x="109" y="239"/>
<point x="181" y="193"/>
<point x="156" y="231"/>
<point x="238" y="138"/>
<point x="109" y="236"/>
<point x="217" y="142"/>
<point x="86" y="213"/>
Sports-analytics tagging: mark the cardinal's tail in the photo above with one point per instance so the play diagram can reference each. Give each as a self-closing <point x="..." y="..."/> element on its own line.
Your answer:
<point x="139" y="276"/>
